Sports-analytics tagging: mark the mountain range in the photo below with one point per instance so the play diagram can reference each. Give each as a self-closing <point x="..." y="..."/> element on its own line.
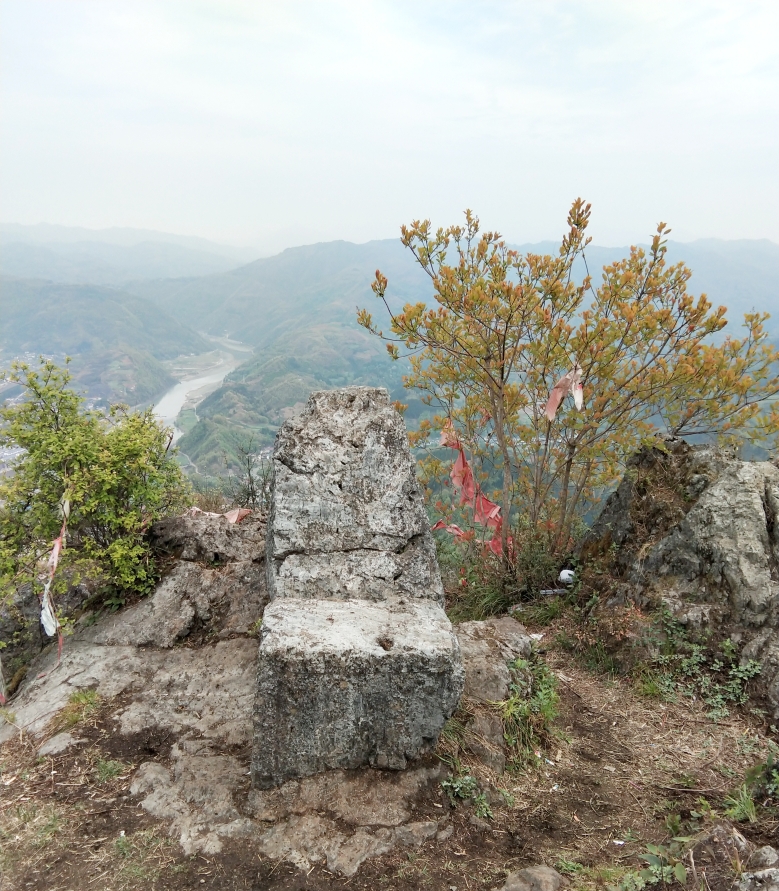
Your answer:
<point x="295" y="309"/>
<point x="110" y="256"/>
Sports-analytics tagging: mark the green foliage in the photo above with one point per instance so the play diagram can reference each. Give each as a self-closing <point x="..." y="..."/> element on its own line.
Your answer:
<point x="664" y="866"/>
<point x="759" y="793"/>
<point x="690" y="669"/>
<point x="250" y="485"/>
<point x="114" y="472"/>
<point x="763" y="778"/>
<point x="482" y="807"/>
<point x="504" y="327"/>
<point x="81" y="704"/>
<point x="464" y="787"/>
<point x="529" y="711"/>
<point x="106" y="770"/>
<point x="569" y="867"/>
<point x="460" y="788"/>
<point x="475" y="582"/>
<point x="740" y="805"/>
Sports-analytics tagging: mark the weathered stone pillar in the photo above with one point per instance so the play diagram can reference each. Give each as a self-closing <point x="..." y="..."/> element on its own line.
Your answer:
<point x="358" y="662"/>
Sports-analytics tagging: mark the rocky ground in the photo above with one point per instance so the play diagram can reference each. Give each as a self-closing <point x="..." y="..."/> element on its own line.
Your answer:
<point x="125" y="765"/>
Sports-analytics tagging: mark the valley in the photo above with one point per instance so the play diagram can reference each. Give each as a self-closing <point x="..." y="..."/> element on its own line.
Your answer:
<point x="227" y="355"/>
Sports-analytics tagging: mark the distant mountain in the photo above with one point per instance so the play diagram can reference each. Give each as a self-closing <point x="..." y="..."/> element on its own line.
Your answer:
<point x="116" y="339"/>
<point x="48" y="234"/>
<point x="741" y="275"/>
<point x="323" y="281"/>
<point x="314" y="284"/>
<point x="297" y="310"/>
<point x="255" y="399"/>
<point x="110" y="256"/>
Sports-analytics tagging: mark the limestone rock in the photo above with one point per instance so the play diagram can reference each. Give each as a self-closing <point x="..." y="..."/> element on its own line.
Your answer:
<point x="696" y="530"/>
<point x="225" y="600"/>
<point x="21" y="630"/>
<point x="763" y="880"/>
<point x="58" y="744"/>
<point x="221" y="585"/>
<point x="345" y="684"/>
<point x="358" y="662"/>
<point x="764" y="858"/>
<point x="534" y="878"/>
<point x="206" y="692"/>
<point x="352" y="797"/>
<point x="485" y="740"/>
<point x="211" y="540"/>
<point x="348" y="518"/>
<point x="487" y="648"/>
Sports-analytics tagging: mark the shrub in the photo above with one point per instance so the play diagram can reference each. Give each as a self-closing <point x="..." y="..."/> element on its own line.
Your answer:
<point x="110" y="475"/>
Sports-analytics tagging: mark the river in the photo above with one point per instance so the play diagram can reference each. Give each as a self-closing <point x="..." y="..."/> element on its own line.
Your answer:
<point x="171" y="402"/>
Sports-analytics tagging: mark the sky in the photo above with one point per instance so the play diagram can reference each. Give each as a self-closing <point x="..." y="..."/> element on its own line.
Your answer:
<point x="272" y="124"/>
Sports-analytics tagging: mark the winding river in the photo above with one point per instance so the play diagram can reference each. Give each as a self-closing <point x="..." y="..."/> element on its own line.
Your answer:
<point x="172" y="401"/>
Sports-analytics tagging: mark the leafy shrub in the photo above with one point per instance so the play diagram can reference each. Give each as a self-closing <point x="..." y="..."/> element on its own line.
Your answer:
<point x="664" y="866"/>
<point x="740" y="805"/>
<point x="464" y="787"/>
<point x="460" y="788"/>
<point x="763" y="779"/>
<point x="114" y="474"/>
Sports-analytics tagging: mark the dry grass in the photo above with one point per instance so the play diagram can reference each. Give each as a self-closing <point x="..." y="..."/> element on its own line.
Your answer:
<point x="617" y="772"/>
<point x="68" y="807"/>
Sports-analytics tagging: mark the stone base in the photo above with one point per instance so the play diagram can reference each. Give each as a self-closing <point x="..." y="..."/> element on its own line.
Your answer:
<point x="342" y="684"/>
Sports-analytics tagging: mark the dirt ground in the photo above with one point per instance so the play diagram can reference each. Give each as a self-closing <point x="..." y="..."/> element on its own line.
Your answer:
<point x="621" y="771"/>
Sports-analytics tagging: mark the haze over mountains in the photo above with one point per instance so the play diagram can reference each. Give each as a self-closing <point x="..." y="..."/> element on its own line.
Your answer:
<point x="122" y="301"/>
<point x="110" y="256"/>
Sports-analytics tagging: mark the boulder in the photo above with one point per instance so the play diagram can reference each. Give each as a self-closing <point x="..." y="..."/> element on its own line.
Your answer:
<point x="347" y="684"/>
<point x="695" y="529"/>
<point x="208" y="539"/>
<point x="535" y="878"/>
<point x="347" y="518"/>
<point x="488" y="647"/>
<point x="358" y="663"/>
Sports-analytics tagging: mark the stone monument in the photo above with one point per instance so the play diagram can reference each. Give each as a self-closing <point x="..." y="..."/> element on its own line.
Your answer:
<point x="358" y="662"/>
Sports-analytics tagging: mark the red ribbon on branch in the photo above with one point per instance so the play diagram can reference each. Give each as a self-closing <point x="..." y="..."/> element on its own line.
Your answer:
<point x="568" y="383"/>
<point x="485" y="512"/>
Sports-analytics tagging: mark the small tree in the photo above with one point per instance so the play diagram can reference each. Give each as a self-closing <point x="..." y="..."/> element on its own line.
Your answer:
<point x="251" y="486"/>
<point x="506" y="327"/>
<point x="115" y="473"/>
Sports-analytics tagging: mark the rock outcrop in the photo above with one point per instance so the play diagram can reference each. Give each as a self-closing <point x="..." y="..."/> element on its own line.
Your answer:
<point x="358" y="662"/>
<point x="696" y="530"/>
<point x="175" y="678"/>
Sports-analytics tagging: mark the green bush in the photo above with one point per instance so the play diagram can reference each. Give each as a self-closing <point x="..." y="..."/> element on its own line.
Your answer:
<point x="114" y="473"/>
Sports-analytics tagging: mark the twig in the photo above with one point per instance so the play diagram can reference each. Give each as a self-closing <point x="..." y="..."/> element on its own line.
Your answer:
<point x="694" y="871"/>
<point x="684" y="789"/>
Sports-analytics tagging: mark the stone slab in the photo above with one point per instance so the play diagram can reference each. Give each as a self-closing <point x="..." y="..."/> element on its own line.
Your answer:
<point x="343" y="684"/>
<point x="348" y="516"/>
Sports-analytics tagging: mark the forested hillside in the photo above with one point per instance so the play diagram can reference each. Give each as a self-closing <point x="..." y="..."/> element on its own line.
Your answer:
<point x="117" y="340"/>
<point x="297" y="310"/>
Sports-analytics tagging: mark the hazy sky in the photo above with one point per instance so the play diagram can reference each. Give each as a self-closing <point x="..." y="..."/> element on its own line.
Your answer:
<point x="278" y="123"/>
